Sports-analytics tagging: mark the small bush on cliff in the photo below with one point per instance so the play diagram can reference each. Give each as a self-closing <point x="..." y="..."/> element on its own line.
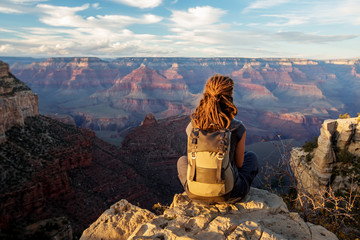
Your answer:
<point x="309" y="146"/>
<point x="338" y="212"/>
<point x="348" y="165"/>
<point x="344" y="156"/>
<point x="308" y="158"/>
<point x="344" y="116"/>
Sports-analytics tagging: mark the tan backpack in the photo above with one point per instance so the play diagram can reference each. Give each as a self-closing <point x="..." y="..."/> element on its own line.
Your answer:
<point x="210" y="175"/>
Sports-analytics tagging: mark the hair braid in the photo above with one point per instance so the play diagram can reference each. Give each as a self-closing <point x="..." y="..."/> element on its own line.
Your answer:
<point x="216" y="108"/>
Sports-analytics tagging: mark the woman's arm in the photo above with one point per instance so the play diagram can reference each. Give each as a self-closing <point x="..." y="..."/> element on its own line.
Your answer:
<point x="239" y="151"/>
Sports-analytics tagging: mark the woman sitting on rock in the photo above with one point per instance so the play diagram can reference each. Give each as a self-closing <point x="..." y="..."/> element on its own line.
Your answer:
<point x="217" y="167"/>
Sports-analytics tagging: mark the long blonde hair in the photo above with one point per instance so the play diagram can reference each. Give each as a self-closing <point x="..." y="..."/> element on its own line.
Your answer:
<point x="216" y="108"/>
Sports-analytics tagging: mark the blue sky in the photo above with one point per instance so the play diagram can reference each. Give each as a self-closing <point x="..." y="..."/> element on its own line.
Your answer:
<point x="316" y="29"/>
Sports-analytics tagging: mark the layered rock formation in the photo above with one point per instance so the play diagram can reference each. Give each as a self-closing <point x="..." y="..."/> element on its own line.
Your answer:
<point x="154" y="148"/>
<point x="51" y="169"/>
<point x="261" y="215"/>
<point x="315" y="172"/>
<point x="116" y="94"/>
<point x="17" y="101"/>
<point x="145" y="90"/>
<point x="67" y="73"/>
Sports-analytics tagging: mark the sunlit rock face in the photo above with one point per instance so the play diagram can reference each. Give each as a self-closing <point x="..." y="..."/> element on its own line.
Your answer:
<point x="317" y="173"/>
<point x="17" y="101"/>
<point x="261" y="215"/>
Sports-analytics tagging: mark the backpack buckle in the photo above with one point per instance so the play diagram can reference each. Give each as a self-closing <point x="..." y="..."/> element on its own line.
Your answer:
<point x="193" y="155"/>
<point x="220" y="156"/>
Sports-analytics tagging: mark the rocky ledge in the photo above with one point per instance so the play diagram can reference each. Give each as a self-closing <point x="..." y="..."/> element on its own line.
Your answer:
<point x="261" y="215"/>
<point x="319" y="169"/>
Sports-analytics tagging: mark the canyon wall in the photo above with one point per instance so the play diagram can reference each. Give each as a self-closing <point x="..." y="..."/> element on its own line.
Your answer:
<point x="17" y="101"/>
<point x="334" y="162"/>
<point x="116" y="94"/>
<point x="51" y="169"/>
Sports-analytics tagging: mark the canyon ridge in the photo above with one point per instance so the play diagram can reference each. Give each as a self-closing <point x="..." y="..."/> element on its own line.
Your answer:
<point x="287" y="97"/>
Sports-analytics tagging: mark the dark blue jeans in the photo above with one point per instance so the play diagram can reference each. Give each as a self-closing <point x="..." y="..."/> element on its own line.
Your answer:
<point x="243" y="177"/>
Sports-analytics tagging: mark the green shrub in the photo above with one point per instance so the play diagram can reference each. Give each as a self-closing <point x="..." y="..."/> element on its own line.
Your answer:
<point x="309" y="146"/>
<point x="308" y="158"/>
<point x="344" y="156"/>
<point x="348" y="165"/>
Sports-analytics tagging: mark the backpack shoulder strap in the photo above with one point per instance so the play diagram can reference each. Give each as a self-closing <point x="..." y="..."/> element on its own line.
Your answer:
<point x="194" y="136"/>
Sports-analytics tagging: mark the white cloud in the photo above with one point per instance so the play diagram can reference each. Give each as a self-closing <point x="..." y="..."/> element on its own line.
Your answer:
<point x="287" y="20"/>
<point x="197" y="17"/>
<point x="70" y="33"/>
<point x="6" y="30"/>
<point x="5" y="48"/>
<point x="317" y="13"/>
<point x="89" y="41"/>
<point x="121" y="20"/>
<point x="300" y="37"/>
<point x="96" y="5"/>
<point x="26" y="1"/>
<point x="62" y="16"/>
<point x="8" y="10"/>
<point x="262" y="4"/>
<point x="140" y="3"/>
<point x="349" y="7"/>
<point x="197" y="26"/>
<point x="66" y="17"/>
<point x="347" y="11"/>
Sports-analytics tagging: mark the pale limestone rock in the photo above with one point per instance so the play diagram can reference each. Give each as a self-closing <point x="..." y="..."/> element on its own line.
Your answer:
<point x="316" y="175"/>
<point x="319" y="232"/>
<point x="261" y="215"/>
<point x="118" y="222"/>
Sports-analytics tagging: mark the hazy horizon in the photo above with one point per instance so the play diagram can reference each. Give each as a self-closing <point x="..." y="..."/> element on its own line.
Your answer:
<point x="184" y="57"/>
